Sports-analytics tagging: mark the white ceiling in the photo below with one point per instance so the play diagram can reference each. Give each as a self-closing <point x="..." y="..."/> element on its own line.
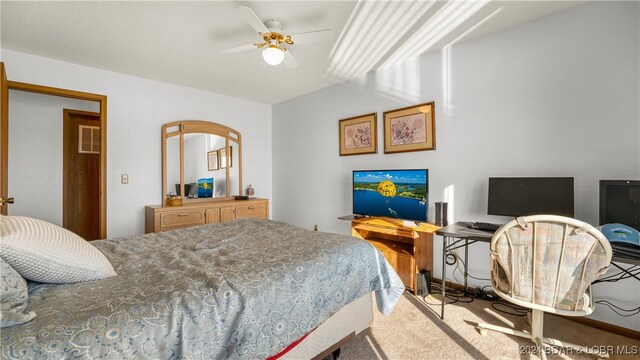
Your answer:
<point x="180" y="42"/>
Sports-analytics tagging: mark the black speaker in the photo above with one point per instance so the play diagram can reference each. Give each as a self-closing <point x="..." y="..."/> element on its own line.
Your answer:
<point x="441" y="214"/>
<point x="424" y="282"/>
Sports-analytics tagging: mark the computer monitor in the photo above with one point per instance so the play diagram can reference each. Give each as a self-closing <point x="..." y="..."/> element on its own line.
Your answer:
<point x="620" y="202"/>
<point x="521" y="196"/>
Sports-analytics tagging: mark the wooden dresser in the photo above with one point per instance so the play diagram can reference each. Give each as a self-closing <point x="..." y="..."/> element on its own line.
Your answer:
<point x="407" y="247"/>
<point x="163" y="218"/>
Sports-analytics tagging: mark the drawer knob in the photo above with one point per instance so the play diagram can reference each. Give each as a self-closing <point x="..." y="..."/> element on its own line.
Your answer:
<point x="183" y="214"/>
<point x="251" y="207"/>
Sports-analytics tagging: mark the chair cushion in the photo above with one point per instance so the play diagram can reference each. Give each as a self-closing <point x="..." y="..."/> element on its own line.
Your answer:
<point x="564" y="263"/>
<point x="13" y="297"/>
<point x="43" y="252"/>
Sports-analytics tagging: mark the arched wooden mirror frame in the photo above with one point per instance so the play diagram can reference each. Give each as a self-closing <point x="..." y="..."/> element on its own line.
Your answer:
<point x="183" y="127"/>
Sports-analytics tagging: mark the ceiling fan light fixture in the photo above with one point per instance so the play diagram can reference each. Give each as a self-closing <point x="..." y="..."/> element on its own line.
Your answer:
<point x="273" y="55"/>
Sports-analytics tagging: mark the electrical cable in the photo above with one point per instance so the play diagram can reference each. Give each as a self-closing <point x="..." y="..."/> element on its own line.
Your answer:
<point x="633" y="271"/>
<point x="456" y="295"/>
<point x="516" y="310"/>
<point x="613" y="307"/>
<point x="469" y="275"/>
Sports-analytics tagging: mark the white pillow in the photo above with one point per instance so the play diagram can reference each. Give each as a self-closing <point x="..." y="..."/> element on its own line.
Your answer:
<point x="43" y="252"/>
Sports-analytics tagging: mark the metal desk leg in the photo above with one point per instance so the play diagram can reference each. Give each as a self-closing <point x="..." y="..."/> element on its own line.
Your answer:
<point x="466" y="264"/>
<point x="444" y="269"/>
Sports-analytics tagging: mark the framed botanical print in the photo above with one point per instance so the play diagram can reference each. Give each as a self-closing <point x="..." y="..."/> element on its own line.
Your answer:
<point x="410" y="129"/>
<point x="359" y="135"/>
<point x="212" y="160"/>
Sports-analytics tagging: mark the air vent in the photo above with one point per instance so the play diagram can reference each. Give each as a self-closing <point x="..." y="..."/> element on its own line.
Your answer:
<point x="88" y="139"/>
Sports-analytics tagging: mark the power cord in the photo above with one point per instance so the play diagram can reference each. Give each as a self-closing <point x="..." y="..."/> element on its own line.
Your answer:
<point x="621" y="275"/>
<point x="615" y="308"/>
<point x="516" y="310"/>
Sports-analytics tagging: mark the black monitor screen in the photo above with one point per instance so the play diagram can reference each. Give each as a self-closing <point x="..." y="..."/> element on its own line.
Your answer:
<point x="531" y="196"/>
<point x="620" y="202"/>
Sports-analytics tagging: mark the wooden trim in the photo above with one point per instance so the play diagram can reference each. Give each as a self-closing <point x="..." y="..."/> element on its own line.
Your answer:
<point x="4" y="137"/>
<point x="614" y="329"/>
<point x="103" y="168"/>
<point x="48" y="90"/>
<point x="79" y="95"/>
<point x="81" y="112"/>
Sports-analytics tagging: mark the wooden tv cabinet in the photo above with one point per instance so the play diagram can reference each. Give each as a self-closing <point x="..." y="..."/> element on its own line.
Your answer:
<point x="406" y="246"/>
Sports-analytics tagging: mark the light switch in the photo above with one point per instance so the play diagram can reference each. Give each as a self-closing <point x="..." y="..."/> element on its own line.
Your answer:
<point x="124" y="178"/>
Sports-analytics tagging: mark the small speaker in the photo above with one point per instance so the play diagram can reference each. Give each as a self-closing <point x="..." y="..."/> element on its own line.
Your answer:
<point x="424" y="282"/>
<point x="441" y="214"/>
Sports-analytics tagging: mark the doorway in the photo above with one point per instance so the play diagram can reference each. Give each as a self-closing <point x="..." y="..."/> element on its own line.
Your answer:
<point x="5" y="187"/>
<point x="81" y="173"/>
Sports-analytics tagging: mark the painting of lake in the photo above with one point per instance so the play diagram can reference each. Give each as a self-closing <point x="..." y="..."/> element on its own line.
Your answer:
<point x="401" y="194"/>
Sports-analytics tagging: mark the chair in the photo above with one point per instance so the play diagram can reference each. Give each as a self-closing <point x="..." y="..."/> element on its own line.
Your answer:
<point x="547" y="263"/>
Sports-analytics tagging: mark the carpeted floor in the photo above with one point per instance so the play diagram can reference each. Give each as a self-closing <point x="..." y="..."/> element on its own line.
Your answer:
<point x="415" y="331"/>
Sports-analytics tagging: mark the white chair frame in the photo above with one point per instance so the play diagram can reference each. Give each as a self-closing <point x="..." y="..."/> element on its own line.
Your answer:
<point x="536" y="318"/>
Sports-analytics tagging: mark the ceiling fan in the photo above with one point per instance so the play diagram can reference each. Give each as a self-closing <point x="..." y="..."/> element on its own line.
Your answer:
<point x="275" y="45"/>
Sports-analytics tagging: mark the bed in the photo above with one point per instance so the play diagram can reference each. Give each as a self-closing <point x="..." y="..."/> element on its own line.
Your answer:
<point x="245" y="289"/>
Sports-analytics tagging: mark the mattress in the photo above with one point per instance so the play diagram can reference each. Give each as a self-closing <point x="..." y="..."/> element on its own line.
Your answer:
<point x="245" y="289"/>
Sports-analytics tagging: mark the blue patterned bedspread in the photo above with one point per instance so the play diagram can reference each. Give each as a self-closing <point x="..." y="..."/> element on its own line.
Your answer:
<point x="243" y="289"/>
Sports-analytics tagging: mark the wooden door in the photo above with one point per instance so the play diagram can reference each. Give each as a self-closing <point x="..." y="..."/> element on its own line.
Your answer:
<point x="213" y="216"/>
<point x="81" y="173"/>
<point x="227" y="214"/>
<point x="4" y="139"/>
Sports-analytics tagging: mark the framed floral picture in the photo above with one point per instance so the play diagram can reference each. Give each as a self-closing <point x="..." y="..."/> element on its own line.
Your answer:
<point x="410" y="129"/>
<point x="359" y="135"/>
<point x="212" y="160"/>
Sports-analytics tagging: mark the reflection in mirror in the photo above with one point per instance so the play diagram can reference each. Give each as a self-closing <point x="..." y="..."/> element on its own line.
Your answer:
<point x="173" y="166"/>
<point x="202" y="166"/>
<point x="234" y="169"/>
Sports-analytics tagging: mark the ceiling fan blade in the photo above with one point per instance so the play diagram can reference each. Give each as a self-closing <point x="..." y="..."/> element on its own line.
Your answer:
<point x="289" y="60"/>
<point x="236" y="49"/>
<point x="311" y="36"/>
<point x="253" y="19"/>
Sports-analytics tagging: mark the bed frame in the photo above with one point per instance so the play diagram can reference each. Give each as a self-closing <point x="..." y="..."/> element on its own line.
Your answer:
<point x="339" y="329"/>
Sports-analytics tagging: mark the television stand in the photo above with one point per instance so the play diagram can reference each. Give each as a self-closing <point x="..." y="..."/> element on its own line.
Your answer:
<point x="408" y="247"/>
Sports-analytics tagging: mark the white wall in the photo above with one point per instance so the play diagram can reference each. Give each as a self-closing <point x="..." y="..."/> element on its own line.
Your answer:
<point x="137" y="108"/>
<point x="35" y="158"/>
<point x="558" y="96"/>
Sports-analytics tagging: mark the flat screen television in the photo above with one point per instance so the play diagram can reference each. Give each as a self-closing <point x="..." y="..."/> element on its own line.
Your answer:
<point x="401" y="194"/>
<point x="521" y="196"/>
<point x="620" y="202"/>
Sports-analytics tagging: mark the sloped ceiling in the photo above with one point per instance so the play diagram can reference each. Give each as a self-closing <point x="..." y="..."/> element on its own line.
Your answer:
<point x="179" y="42"/>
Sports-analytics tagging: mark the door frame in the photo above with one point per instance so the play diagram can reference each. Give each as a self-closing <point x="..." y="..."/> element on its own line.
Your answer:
<point x="79" y="95"/>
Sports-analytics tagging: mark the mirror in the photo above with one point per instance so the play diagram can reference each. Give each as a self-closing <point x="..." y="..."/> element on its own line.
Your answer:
<point x="173" y="163"/>
<point x="201" y="161"/>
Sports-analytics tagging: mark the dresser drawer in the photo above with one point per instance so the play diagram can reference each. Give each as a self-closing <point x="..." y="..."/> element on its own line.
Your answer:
<point x="171" y="219"/>
<point x="251" y="211"/>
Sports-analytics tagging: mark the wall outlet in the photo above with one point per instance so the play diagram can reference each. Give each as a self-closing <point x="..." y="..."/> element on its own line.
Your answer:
<point x="124" y="178"/>
<point x="315" y="227"/>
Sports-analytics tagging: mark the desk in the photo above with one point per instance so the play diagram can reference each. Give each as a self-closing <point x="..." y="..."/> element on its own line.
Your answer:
<point x="461" y="236"/>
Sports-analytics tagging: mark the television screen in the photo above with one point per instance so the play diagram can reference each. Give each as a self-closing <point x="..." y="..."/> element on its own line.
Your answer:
<point x="620" y="202"/>
<point x="401" y="194"/>
<point x="531" y="196"/>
